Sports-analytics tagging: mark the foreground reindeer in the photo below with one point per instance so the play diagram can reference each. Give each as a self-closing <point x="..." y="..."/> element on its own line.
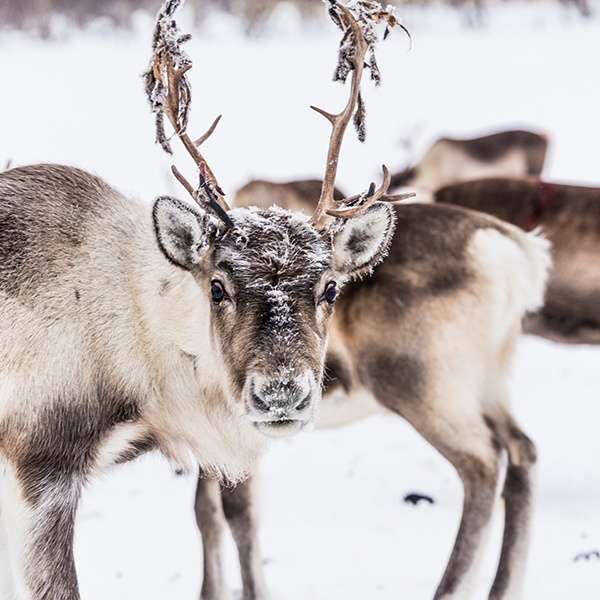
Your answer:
<point x="569" y="216"/>
<point x="504" y="154"/>
<point x="125" y="329"/>
<point x="429" y="336"/>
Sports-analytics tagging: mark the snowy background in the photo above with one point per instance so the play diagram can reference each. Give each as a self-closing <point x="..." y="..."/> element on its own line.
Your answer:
<point x="333" y="521"/>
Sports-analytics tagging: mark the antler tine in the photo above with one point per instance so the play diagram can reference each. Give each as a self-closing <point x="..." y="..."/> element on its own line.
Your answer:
<point x="320" y="218"/>
<point x="370" y="197"/>
<point x="204" y="137"/>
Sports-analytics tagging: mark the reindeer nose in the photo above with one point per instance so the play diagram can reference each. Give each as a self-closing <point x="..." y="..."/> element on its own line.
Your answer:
<point x="281" y="399"/>
<point x="282" y="406"/>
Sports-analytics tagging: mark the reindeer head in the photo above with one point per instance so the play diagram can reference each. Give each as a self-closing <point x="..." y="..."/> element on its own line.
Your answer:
<point x="270" y="277"/>
<point x="270" y="285"/>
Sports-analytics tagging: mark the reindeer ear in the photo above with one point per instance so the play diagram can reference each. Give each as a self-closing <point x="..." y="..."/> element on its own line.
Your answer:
<point x="364" y="240"/>
<point x="183" y="233"/>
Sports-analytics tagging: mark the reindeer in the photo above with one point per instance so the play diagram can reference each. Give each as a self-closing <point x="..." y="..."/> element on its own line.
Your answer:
<point x="429" y="336"/>
<point x="292" y="195"/>
<point x="504" y="154"/>
<point x="127" y="328"/>
<point x="513" y="153"/>
<point x="569" y="215"/>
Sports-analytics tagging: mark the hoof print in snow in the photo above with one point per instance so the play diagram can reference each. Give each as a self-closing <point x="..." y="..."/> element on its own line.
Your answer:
<point x="414" y="499"/>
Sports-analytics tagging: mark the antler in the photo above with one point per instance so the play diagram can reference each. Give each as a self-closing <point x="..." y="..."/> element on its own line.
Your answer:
<point x="329" y="209"/>
<point x="169" y="93"/>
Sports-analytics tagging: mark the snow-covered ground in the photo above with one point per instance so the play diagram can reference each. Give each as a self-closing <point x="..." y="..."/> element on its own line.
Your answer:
<point x="333" y="521"/>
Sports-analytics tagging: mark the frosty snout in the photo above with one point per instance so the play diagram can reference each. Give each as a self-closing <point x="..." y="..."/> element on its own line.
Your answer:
<point x="282" y="406"/>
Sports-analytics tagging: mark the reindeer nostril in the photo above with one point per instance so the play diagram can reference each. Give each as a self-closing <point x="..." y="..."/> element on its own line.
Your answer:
<point x="280" y="400"/>
<point x="304" y="403"/>
<point x="259" y="404"/>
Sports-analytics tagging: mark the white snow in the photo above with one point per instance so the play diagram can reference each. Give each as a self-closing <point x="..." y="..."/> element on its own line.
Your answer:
<point x="333" y="521"/>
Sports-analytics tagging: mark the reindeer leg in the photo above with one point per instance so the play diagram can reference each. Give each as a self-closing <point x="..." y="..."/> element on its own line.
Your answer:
<point x="239" y="512"/>
<point x="214" y="504"/>
<point x="476" y="456"/>
<point x="473" y="453"/>
<point x="517" y="498"/>
<point x="454" y="426"/>
<point x="38" y="518"/>
<point x="211" y="523"/>
<point x="480" y="477"/>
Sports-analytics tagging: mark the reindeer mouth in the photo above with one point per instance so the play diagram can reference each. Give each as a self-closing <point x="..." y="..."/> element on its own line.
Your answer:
<point x="282" y="427"/>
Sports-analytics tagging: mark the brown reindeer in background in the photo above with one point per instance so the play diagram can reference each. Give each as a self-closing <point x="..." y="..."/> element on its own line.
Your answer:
<point x="512" y="153"/>
<point x="430" y="337"/>
<point x="504" y="154"/>
<point x="292" y="195"/>
<point x="569" y="217"/>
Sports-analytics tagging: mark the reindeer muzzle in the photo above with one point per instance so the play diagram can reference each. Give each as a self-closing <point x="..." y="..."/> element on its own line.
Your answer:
<point x="282" y="407"/>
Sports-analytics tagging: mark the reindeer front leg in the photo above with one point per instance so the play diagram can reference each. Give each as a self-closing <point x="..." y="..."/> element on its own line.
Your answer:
<point x="238" y="507"/>
<point x="211" y="523"/>
<point x="215" y="504"/>
<point x="38" y="506"/>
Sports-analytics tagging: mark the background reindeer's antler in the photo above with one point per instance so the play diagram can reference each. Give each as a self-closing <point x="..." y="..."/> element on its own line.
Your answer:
<point x="169" y="94"/>
<point x="357" y="20"/>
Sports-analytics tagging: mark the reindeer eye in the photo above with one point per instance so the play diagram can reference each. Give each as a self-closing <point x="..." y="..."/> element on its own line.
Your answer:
<point x="217" y="291"/>
<point x="330" y="293"/>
